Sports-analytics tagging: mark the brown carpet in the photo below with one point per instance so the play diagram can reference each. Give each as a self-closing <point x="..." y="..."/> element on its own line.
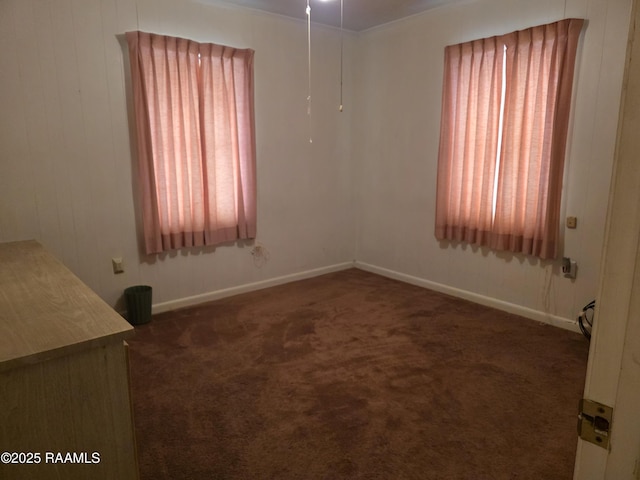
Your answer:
<point x="354" y="376"/>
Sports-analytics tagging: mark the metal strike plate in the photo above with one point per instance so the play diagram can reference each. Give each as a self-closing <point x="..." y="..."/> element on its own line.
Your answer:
<point x="594" y="422"/>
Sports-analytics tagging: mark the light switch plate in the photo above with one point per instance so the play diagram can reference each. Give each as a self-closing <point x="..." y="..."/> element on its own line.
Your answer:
<point x="118" y="266"/>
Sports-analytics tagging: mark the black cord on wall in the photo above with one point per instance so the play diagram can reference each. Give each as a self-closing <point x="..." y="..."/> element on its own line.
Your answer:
<point x="585" y="319"/>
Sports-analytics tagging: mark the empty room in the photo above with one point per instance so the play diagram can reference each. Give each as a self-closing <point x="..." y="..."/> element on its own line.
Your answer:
<point x="371" y="279"/>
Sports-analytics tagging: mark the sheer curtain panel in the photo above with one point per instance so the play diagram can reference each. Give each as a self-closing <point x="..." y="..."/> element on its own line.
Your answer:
<point x="194" y="117"/>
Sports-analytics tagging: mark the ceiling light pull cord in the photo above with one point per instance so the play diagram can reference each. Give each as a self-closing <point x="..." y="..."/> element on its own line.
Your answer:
<point x="309" y="68"/>
<point x="341" y="49"/>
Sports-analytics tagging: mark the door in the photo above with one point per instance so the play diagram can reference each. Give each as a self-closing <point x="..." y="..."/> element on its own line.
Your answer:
<point x="613" y="371"/>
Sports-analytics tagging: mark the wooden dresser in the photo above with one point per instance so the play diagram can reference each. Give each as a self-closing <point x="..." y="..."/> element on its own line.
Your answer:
<point x="64" y="387"/>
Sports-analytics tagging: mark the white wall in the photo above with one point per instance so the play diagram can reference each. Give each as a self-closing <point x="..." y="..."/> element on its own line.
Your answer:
<point x="399" y="78"/>
<point x="365" y="187"/>
<point x="65" y="156"/>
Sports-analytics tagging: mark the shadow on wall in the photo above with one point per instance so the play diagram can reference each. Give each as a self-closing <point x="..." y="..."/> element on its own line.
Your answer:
<point x="505" y="256"/>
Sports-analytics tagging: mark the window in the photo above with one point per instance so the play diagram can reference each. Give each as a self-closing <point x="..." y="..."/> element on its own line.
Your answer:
<point x="505" y="115"/>
<point x="195" y="141"/>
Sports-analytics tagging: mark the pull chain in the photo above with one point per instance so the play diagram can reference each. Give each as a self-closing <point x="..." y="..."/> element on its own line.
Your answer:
<point x="341" y="49"/>
<point x="309" y="68"/>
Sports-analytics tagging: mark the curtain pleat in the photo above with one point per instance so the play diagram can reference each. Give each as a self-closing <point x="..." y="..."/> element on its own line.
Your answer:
<point x="196" y="142"/>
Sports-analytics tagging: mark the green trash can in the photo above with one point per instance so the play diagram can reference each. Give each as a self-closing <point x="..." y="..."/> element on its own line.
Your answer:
<point x="138" y="300"/>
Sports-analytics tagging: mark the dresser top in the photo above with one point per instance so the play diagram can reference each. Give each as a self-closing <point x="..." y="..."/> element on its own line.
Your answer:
<point x="46" y="311"/>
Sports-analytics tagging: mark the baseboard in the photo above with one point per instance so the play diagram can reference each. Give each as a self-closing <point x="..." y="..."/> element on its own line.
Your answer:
<point x="249" y="287"/>
<point x="536" y="315"/>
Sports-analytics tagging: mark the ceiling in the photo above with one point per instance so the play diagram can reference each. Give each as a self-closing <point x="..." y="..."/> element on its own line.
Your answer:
<point x="358" y="14"/>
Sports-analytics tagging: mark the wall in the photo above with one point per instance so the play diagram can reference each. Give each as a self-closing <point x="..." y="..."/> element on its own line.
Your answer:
<point x="365" y="187"/>
<point x="66" y="162"/>
<point x="399" y="78"/>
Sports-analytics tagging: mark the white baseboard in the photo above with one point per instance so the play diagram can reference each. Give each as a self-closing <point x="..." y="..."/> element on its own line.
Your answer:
<point x="536" y="315"/>
<point x="249" y="287"/>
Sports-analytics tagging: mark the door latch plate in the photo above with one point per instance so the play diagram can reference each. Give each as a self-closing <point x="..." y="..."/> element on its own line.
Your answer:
<point x="594" y="422"/>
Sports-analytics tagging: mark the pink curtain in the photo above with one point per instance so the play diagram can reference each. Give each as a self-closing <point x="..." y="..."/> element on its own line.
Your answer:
<point x="196" y="141"/>
<point x="466" y="170"/>
<point x="525" y="207"/>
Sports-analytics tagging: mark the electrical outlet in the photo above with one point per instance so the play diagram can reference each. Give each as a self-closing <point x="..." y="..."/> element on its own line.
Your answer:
<point x="572" y="222"/>
<point x="260" y="255"/>
<point x="569" y="267"/>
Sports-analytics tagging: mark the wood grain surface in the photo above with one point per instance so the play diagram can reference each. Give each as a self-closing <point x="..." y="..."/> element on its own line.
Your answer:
<point x="64" y="387"/>
<point x="46" y="311"/>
